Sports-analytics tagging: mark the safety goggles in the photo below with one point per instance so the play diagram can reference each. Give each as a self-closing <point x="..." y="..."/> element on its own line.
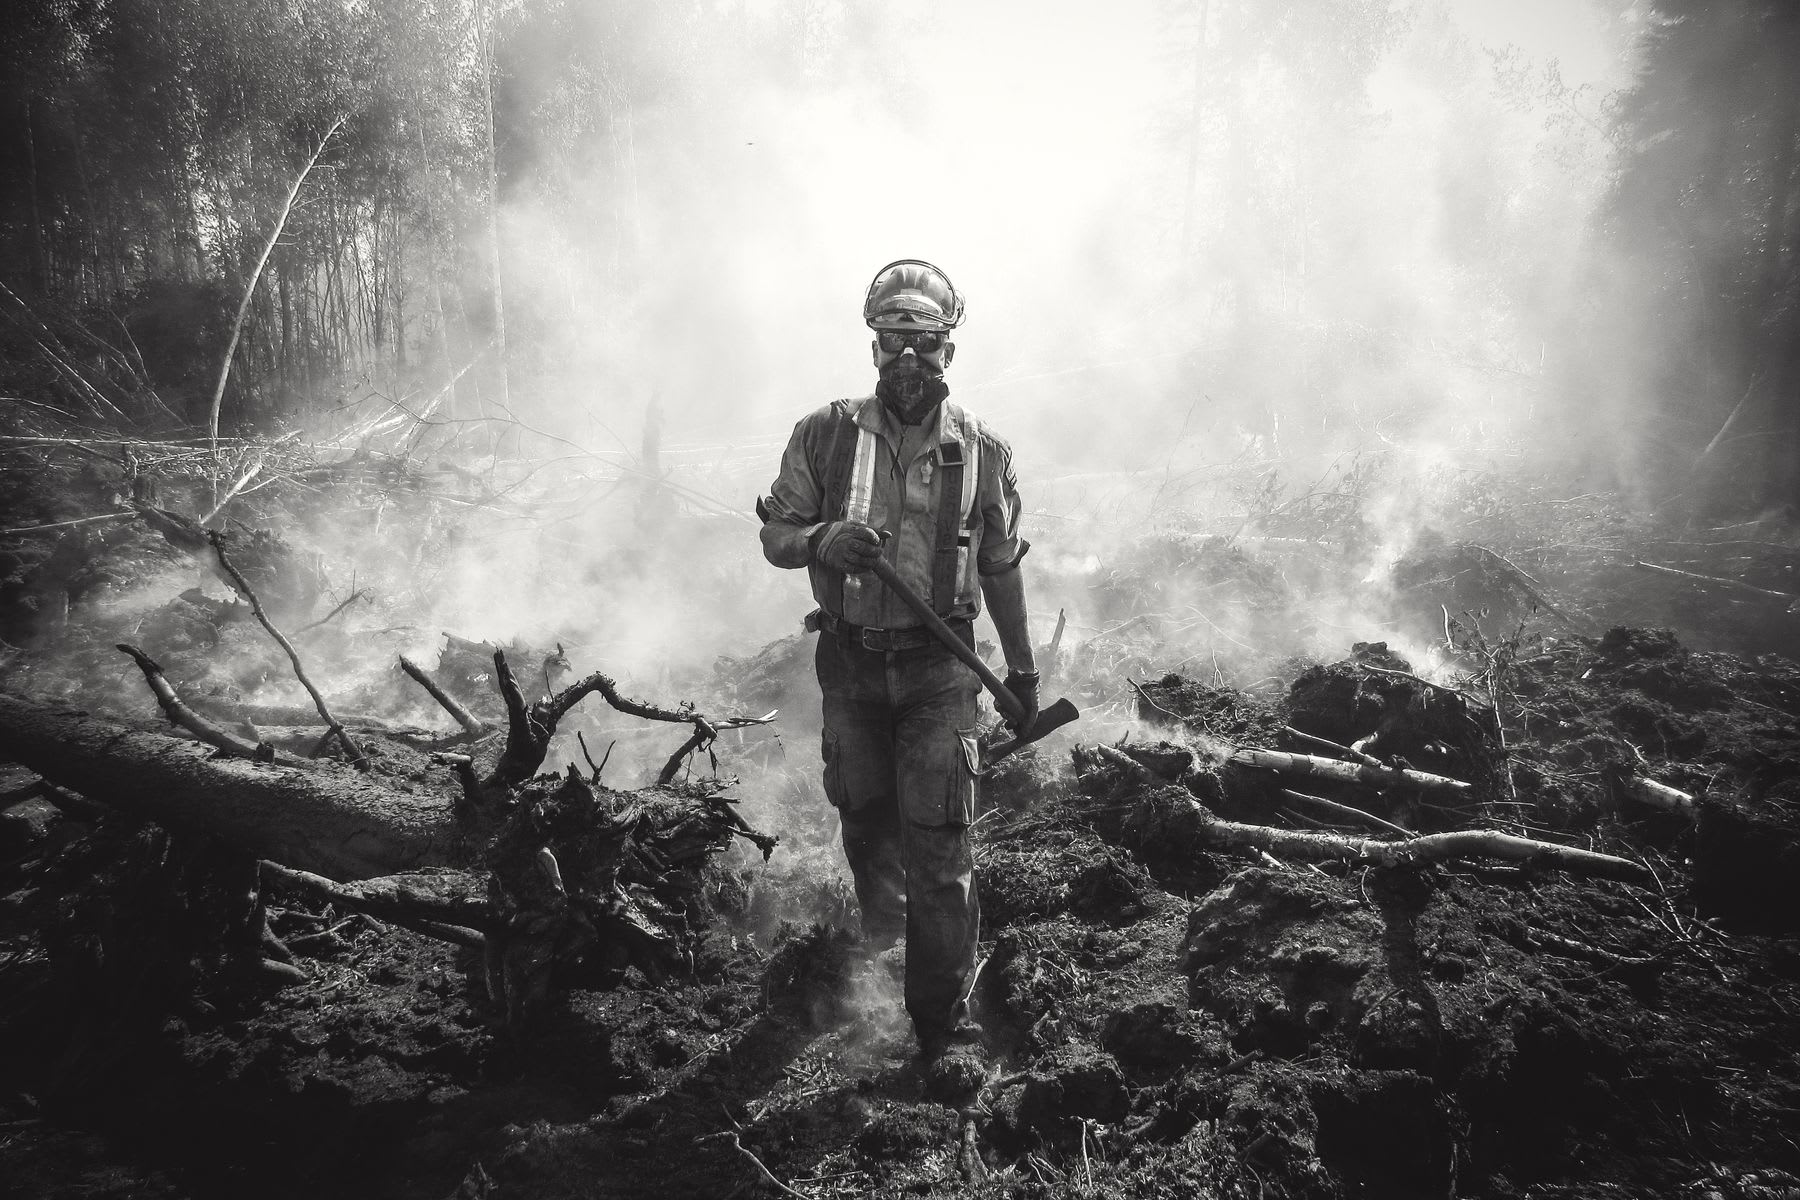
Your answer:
<point x="923" y="341"/>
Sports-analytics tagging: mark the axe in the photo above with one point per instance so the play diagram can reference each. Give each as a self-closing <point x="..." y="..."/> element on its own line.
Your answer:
<point x="1054" y="717"/>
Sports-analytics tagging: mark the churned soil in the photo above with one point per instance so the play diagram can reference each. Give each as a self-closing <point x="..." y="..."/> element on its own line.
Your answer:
<point x="1161" y="1018"/>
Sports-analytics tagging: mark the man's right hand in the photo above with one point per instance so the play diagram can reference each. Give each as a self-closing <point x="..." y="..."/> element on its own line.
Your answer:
<point x="847" y="546"/>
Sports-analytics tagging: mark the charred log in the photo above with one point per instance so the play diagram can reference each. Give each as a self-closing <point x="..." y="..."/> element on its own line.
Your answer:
<point x="337" y="823"/>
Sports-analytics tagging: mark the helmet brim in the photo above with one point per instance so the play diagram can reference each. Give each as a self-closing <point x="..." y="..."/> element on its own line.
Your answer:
<point x="912" y="294"/>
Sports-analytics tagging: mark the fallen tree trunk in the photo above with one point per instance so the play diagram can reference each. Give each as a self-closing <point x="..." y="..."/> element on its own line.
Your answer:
<point x="338" y="823"/>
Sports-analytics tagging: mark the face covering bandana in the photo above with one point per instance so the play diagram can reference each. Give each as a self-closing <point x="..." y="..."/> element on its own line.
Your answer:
<point x="910" y="389"/>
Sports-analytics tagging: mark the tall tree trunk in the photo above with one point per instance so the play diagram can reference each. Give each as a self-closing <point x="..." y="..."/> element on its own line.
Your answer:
<point x="1780" y="473"/>
<point x="433" y="278"/>
<point x="493" y="187"/>
<point x="1196" y="110"/>
<point x="40" y="259"/>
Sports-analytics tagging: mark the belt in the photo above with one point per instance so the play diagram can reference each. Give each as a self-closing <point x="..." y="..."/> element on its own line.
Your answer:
<point x="871" y="638"/>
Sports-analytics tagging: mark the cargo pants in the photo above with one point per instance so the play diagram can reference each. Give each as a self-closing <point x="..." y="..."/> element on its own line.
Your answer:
<point x="900" y="767"/>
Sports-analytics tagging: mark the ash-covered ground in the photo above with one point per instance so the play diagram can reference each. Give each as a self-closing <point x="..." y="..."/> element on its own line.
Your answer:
<point x="1165" y="1016"/>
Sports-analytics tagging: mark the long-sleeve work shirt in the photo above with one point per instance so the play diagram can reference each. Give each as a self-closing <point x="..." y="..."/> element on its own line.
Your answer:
<point x="897" y="479"/>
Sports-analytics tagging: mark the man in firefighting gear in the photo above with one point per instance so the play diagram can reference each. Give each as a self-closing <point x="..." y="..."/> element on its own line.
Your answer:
<point x="907" y="475"/>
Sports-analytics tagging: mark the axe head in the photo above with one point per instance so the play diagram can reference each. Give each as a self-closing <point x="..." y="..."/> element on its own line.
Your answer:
<point x="1048" y="720"/>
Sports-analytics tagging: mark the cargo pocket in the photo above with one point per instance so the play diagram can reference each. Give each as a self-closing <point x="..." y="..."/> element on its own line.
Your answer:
<point x="965" y="773"/>
<point x="833" y="753"/>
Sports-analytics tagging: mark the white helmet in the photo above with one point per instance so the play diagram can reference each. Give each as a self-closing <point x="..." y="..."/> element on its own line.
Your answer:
<point x="912" y="294"/>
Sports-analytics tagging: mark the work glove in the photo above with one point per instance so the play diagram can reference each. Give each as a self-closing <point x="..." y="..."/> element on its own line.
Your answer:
<point x="847" y="546"/>
<point x="1024" y="687"/>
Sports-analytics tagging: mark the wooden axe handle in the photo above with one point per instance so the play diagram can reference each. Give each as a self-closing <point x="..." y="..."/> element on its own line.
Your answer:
<point x="1003" y="698"/>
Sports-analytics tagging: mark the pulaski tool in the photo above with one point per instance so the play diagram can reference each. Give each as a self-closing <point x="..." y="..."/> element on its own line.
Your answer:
<point x="1049" y="718"/>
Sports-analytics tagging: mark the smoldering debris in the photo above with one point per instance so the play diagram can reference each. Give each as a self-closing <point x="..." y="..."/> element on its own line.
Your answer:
<point x="1310" y="923"/>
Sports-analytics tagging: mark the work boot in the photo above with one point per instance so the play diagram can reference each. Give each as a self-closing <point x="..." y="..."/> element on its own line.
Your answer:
<point x="954" y="1063"/>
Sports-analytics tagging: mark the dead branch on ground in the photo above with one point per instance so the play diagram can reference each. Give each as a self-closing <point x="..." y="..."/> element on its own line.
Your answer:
<point x="1350" y="752"/>
<point x="1531" y="587"/>
<point x="472" y="725"/>
<point x="357" y="758"/>
<point x="1219" y="834"/>
<point x="444" y="906"/>
<point x="186" y="717"/>
<point x="1347" y="810"/>
<point x="352" y="598"/>
<point x="1658" y="795"/>
<point x="1736" y="585"/>
<point x="1344" y="772"/>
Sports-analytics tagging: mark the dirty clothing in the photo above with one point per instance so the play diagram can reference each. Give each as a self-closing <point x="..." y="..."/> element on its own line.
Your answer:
<point x="892" y="477"/>
<point x="900" y="764"/>
<point x="900" y="711"/>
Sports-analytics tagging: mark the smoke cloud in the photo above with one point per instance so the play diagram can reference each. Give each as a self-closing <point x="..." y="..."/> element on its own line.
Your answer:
<point x="1192" y="235"/>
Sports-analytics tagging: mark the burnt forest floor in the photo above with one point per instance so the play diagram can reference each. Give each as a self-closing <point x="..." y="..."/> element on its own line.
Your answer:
<point x="1163" y="1018"/>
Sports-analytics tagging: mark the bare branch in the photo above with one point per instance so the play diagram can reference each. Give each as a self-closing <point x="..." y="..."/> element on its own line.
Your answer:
<point x="357" y="759"/>
<point x="181" y="714"/>
<point x="352" y="598"/>
<point x="1331" y="768"/>
<point x="390" y="899"/>
<point x="472" y="725"/>
<point x="237" y="325"/>
<point x="1436" y="847"/>
<point x="1734" y="584"/>
<point x="1348" y="810"/>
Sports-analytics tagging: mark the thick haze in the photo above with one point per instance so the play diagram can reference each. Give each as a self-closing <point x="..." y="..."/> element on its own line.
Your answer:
<point x="1310" y="231"/>
<point x="1381" y="218"/>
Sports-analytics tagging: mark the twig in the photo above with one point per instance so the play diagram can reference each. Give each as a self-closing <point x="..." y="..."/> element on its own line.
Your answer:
<point x="379" y="899"/>
<point x="1729" y="421"/>
<point x="1530" y="587"/>
<point x="471" y="724"/>
<point x="595" y="777"/>
<point x="255" y="468"/>
<point x="1139" y="688"/>
<point x="66" y="524"/>
<point x="1350" y="752"/>
<point x="1346" y="810"/>
<point x="1734" y="584"/>
<point x="1416" y="679"/>
<point x="358" y="594"/>
<point x="357" y="759"/>
<point x="762" y="1172"/>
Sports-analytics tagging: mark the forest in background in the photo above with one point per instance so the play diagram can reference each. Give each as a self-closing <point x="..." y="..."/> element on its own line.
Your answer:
<point x="152" y="145"/>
